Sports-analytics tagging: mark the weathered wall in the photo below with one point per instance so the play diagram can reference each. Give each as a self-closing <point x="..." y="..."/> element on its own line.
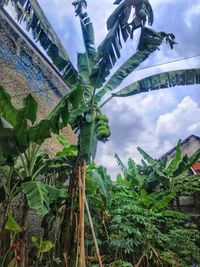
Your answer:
<point x="23" y="70"/>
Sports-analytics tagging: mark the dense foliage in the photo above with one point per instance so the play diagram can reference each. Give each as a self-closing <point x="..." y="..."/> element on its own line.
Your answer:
<point x="136" y="227"/>
<point x="133" y="227"/>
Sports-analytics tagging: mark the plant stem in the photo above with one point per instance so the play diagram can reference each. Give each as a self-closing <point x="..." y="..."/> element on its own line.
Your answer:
<point x="25" y="221"/>
<point x="82" y="212"/>
<point x="106" y="101"/>
<point x="4" y="258"/>
<point x="93" y="233"/>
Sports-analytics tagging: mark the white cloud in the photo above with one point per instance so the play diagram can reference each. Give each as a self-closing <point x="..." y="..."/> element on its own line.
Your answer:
<point x="189" y="14"/>
<point x="181" y="121"/>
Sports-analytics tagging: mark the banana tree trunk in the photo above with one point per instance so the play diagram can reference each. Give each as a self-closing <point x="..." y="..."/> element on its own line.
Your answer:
<point x="71" y="244"/>
<point x="81" y="183"/>
<point x="24" y="236"/>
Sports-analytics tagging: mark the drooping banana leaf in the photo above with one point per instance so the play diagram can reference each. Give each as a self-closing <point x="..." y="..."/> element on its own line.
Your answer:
<point x="121" y="13"/>
<point x="161" y="81"/>
<point x="119" y="28"/>
<point x="27" y="113"/>
<point x="13" y="122"/>
<point x="40" y="195"/>
<point x="14" y="127"/>
<point x="55" y="121"/>
<point x="56" y="194"/>
<point x="143" y="11"/>
<point x="37" y="196"/>
<point x="42" y="31"/>
<point x="149" y="42"/>
<point x="66" y="112"/>
<point x="88" y="141"/>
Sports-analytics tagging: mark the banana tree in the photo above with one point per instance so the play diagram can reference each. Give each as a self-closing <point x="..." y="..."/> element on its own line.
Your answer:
<point x="92" y="80"/>
<point x="164" y="174"/>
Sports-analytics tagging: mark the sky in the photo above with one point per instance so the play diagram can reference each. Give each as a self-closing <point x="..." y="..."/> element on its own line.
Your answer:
<point x="155" y="121"/>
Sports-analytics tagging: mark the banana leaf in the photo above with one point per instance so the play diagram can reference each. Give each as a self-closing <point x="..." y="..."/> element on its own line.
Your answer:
<point x="160" y="81"/>
<point x="176" y="160"/>
<point x="37" y="196"/>
<point x="186" y="163"/>
<point x="149" y="42"/>
<point x="7" y="110"/>
<point x="148" y="158"/>
<point x="40" y="195"/>
<point x="14" y="127"/>
<point x="119" y="29"/>
<point x="11" y="224"/>
<point x="88" y="37"/>
<point x="85" y="60"/>
<point x="120" y="163"/>
<point x="88" y="141"/>
<point x="42" y="245"/>
<point x="163" y="203"/>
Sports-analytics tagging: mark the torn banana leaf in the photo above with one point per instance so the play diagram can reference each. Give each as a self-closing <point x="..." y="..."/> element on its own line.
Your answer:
<point x="161" y="80"/>
<point x="149" y="42"/>
<point x="119" y="30"/>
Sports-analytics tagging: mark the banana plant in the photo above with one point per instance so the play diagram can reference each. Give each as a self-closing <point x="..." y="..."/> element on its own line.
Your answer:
<point x="93" y="79"/>
<point x="22" y="163"/>
<point x="173" y="175"/>
<point x="156" y="175"/>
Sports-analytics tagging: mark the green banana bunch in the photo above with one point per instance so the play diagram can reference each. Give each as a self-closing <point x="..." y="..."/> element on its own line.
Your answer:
<point x="102" y="128"/>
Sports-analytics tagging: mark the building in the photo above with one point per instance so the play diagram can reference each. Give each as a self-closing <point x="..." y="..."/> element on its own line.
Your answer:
<point x="188" y="146"/>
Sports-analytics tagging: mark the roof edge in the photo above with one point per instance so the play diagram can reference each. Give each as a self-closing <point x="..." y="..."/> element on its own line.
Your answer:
<point x="174" y="148"/>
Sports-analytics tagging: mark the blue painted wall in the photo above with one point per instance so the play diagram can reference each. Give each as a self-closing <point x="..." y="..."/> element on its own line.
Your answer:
<point x="15" y="52"/>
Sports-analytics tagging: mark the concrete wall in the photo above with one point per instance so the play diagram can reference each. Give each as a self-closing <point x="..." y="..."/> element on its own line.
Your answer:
<point x="24" y="69"/>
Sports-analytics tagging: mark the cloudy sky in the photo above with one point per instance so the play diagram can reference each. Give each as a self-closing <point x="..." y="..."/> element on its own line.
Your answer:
<point x="156" y="120"/>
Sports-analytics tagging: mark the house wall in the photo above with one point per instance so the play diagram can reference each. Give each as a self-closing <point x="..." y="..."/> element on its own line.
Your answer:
<point x="24" y="70"/>
<point x="189" y="147"/>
